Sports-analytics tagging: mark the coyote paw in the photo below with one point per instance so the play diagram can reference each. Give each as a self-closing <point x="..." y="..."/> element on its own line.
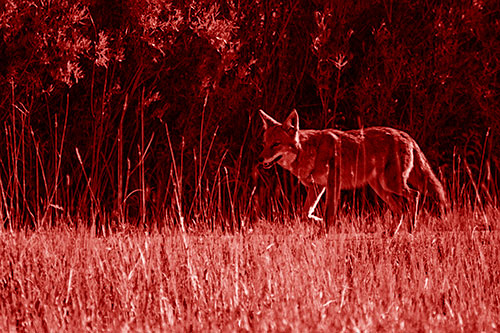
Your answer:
<point x="314" y="217"/>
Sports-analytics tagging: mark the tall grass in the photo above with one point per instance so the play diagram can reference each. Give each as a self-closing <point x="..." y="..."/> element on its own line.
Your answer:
<point x="212" y="265"/>
<point x="224" y="199"/>
<point x="137" y="227"/>
<point x="273" y="277"/>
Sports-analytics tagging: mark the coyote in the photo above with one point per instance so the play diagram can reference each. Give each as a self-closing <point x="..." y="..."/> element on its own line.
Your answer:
<point x="387" y="159"/>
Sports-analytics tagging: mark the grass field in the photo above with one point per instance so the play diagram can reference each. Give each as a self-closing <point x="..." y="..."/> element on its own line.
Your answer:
<point x="118" y="114"/>
<point x="271" y="277"/>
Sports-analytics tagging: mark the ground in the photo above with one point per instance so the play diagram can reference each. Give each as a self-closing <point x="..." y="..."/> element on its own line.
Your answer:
<point x="271" y="277"/>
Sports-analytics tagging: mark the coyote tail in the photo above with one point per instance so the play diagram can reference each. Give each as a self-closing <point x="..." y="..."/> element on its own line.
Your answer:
<point x="431" y="182"/>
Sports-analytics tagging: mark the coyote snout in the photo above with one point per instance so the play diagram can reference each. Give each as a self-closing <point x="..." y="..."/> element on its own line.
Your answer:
<point x="386" y="159"/>
<point x="268" y="162"/>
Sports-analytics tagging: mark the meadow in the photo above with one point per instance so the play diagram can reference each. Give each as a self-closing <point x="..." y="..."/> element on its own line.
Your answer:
<point x="282" y="276"/>
<point x="130" y="199"/>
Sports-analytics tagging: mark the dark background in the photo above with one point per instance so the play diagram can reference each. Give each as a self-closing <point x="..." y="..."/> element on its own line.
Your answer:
<point x="106" y="78"/>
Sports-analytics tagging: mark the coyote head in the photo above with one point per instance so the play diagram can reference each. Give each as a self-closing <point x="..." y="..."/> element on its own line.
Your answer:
<point x="281" y="141"/>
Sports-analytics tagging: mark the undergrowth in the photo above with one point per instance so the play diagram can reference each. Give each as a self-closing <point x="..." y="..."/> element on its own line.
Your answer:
<point x="270" y="277"/>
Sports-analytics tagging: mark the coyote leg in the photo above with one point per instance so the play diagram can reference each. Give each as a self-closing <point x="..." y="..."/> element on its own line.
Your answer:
<point x="312" y="208"/>
<point x="332" y="193"/>
<point x="332" y="203"/>
<point x="389" y="197"/>
<point x="395" y="201"/>
<point x="392" y="200"/>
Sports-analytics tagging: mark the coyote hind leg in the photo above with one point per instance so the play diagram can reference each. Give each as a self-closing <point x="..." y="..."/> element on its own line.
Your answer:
<point x="391" y="198"/>
<point x="399" y="200"/>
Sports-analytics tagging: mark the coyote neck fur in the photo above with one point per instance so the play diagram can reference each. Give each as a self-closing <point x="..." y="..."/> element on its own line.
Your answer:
<point x="304" y="162"/>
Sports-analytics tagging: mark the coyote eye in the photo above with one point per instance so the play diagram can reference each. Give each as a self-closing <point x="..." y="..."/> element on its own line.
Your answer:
<point x="274" y="145"/>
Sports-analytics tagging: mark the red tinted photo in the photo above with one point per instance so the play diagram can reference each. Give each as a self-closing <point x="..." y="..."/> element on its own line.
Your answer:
<point x="249" y="166"/>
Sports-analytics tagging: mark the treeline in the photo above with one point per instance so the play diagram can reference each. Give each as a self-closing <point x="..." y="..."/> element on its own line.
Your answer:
<point x="96" y="97"/>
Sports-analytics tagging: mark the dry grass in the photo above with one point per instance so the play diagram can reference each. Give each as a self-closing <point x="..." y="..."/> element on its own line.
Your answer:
<point x="274" y="277"/>
<point x="102" y="154"/>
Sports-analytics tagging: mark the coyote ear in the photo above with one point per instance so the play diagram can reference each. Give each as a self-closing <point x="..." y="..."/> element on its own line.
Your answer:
<point x="292" y="122"/>
<point x="267" y="120"/>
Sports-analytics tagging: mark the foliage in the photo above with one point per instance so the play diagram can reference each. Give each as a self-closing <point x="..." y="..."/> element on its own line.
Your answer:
<point x="105" y="79"/>
<point x="137" y="120"/>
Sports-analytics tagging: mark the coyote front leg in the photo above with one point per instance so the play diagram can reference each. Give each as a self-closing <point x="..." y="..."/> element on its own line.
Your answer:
<point x="332" y="193"/>
<point x="310" y="205"/>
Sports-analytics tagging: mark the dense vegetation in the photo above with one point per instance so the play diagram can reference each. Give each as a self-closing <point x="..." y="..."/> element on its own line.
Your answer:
<point x="97" y="98"/>
<point x="129" y="195"/>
